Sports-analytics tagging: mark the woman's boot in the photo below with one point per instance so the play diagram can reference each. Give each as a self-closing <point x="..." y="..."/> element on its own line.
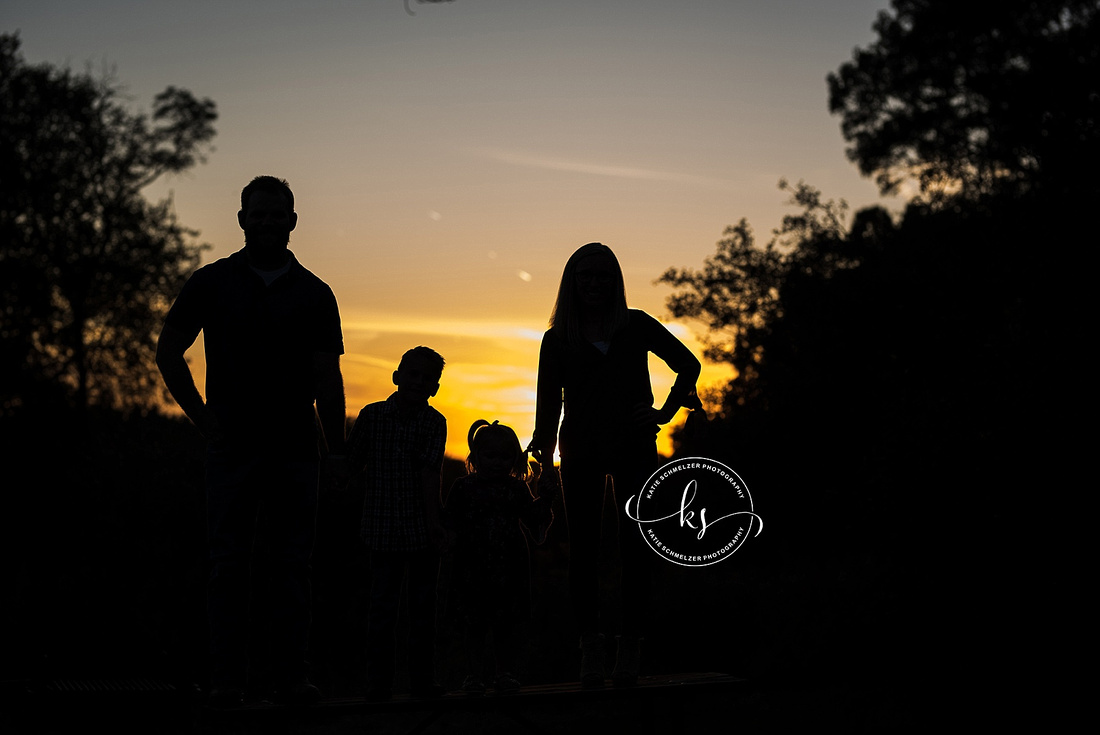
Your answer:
<point x="626" y="661"/>
<point x="592" y="661"/>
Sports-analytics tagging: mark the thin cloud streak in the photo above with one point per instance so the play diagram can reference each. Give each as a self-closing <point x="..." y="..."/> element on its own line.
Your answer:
<point x="622" y="172"/>
<point x="366" y="326"/>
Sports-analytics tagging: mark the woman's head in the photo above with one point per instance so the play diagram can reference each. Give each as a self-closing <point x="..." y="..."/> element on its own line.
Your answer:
<point x="495" y="451"/>
<point x="591" y="285"/>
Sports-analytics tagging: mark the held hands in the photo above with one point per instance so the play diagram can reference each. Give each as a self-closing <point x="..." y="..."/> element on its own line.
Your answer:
<point x="338" y="469"/>
<point x="442" y="538"/>
<point x="209" y="426"/>
<point x="546" y="475"/>
<point x="335" y="476"/>
<point x="548" y="481"/>
<point x="545" y="514"/>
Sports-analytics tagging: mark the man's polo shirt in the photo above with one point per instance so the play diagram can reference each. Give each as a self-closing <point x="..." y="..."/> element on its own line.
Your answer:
<point x="260" y="342"/>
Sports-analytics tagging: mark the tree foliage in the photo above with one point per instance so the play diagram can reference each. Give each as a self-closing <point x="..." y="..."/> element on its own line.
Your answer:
<point x="974" y="98"/>
<point x="88" y="266"/>
<point x="738" y="293"/>
<point x="879" y="357"/>
<point x="878" y="364"/>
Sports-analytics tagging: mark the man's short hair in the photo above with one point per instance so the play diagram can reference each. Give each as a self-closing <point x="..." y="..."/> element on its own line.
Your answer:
<point x="427" y="354"/>
<point x="272" y="184"/>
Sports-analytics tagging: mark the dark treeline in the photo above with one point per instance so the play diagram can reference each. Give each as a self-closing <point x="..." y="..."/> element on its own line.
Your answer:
<point x="903" y="379"/>
<point x="900" y="416"/>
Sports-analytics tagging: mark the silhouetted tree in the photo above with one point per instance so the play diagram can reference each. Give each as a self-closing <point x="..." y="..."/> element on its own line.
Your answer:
<point x="88" y="266"/>
<point x="899" y="388"/>
<point x="972" y="99"/>
<point x="738" y="294"/>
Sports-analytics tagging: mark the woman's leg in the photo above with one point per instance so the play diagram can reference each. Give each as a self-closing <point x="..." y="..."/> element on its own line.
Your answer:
<point x="474" y="637"/>
<point x="583" y="482"/>
<point x="630" y="471"/>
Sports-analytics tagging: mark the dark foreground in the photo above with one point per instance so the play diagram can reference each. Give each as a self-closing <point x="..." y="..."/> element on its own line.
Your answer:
<point x="690" y="703"/>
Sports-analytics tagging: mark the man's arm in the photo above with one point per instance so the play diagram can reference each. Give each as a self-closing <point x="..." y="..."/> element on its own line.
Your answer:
<point x="171" y="346"/>
<point x="331" y="406"/>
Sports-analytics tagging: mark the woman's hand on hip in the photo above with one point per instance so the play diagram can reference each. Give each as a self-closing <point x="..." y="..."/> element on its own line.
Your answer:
<point x="648" y="416"/>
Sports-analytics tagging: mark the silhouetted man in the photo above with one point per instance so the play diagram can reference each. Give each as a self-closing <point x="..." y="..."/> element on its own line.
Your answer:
<point x="272" y="337"/>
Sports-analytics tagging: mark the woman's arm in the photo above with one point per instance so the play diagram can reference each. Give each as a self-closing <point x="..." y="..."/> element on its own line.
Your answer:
<point x="548" y="400"/>
<point x="678" y="357"/>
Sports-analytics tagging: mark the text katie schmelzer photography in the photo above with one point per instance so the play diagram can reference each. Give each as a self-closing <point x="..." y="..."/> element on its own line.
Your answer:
<point x="694" y="512"/>
<point x="408" y="4"/>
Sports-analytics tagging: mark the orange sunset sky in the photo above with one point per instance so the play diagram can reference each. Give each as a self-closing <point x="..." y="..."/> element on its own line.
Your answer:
<point x="448" y="157"/>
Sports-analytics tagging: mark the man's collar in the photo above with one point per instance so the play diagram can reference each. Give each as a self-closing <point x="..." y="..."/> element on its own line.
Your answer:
<point x="240" y="260"/>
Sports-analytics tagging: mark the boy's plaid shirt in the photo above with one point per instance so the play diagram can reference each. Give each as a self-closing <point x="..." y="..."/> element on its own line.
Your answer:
<point x="388" y="453"/>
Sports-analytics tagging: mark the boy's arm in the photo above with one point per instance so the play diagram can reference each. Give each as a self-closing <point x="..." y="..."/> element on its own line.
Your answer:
<point x="431" y="480"/>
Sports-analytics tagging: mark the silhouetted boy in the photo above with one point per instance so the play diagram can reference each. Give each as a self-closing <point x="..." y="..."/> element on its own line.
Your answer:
<point x="397" y="445"/>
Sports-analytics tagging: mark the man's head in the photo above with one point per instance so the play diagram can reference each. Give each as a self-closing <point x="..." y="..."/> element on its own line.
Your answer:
<point x="417" y="375"/>
<point x="267" y="217"/>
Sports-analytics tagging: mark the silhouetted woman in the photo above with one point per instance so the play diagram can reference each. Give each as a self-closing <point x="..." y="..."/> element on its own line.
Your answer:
<point x="595" y="359"/>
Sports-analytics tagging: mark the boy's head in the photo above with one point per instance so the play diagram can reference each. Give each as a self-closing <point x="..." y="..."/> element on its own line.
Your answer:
<point x="417" y="375"/>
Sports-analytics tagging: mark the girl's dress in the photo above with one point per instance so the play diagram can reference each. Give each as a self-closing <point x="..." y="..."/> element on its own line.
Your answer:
<point x="491" y="572"/>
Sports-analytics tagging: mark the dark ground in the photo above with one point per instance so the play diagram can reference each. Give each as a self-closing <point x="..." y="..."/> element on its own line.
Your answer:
<point x="108" y="575"/>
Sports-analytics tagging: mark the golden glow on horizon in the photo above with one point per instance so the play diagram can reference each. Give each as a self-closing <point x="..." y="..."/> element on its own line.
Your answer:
<point x="491" y="372"/>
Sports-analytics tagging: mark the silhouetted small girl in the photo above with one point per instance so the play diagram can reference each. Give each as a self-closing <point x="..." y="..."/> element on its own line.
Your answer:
<point x="492" y="580"/>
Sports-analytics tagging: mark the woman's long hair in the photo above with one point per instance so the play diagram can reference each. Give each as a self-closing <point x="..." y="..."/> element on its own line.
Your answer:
<point x="565" y="319"/>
